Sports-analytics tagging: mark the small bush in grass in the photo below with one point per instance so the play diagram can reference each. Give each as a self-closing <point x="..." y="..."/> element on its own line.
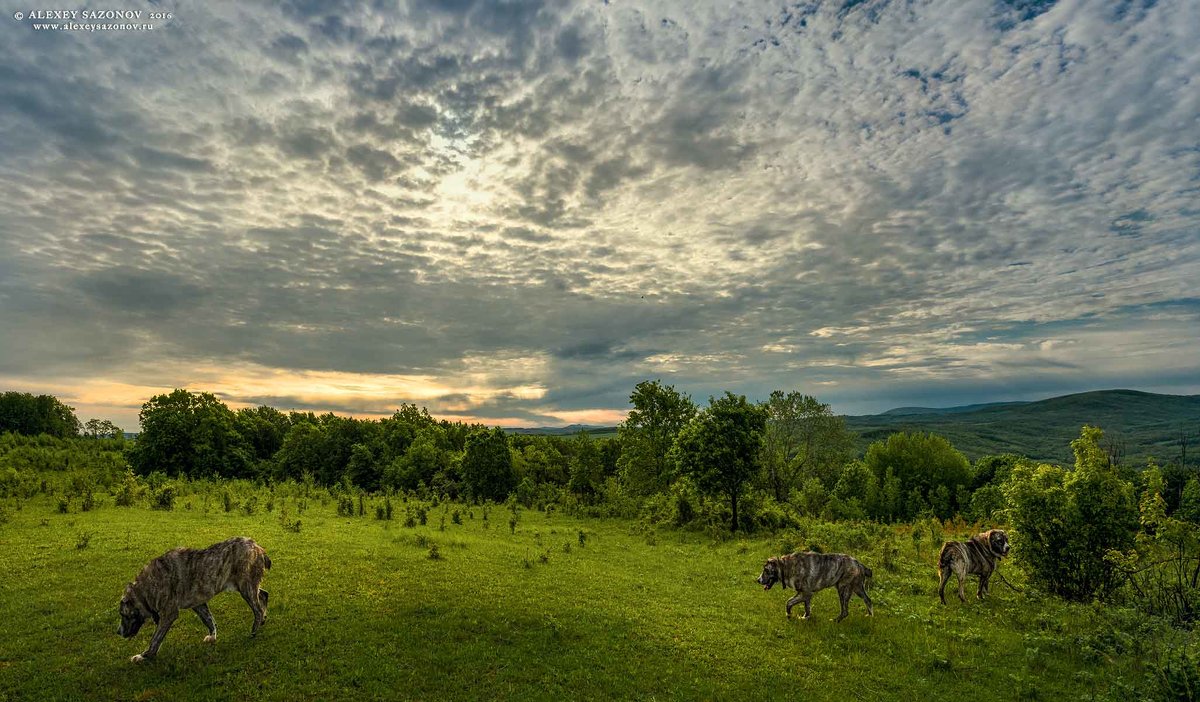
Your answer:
<point x="544" y="557"/>
<point x="380" y="513"/>
<point x="64" y="505"/>
<point x="526" y="561"/>
<point x="89" y="502"/>
<point x="5" y="517"/>
<point x="442" y="522"/>
<point x="409" y="520"/>
<point x="129" y="490"/>
<point x="512" y="524"/>
<point x="387" y="508"/>
<point x="422" y="516"/>
<point x="434" y="553"/>
<point x="249" y="505"/>
<point x="163" y="498"/>
<point x="271" y="502"/>
<point x="361" y="508"/>
<point x="456" y="517"/>
<point x="227" y="501"/>
<point x="421" y="540"/>
<point x="582" y="538"/>
<point x="82" y="539"/>
<point x="345" y="506"/>
<point x="566" y="547"/>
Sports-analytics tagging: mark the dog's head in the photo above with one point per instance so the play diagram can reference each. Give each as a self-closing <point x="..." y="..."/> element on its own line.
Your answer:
<point x="770" y="574"/>
<point x="997" y="542"/>
<point x="133" y="614"/>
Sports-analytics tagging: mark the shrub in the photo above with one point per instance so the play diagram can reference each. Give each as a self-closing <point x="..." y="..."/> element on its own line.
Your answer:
<point x="456" y="517"/>
<point x="83" y="539"/>
<point x="163" y="498"/>
<point x="434" y="553"/>
<point x="89" y="502"/>
<point x="387" y="508"/>
<point x="345" y="506"/>
<point x="129" y="490"/>
<point x="249" y="505"/>
<point x="64" y="505"/>
<point x="227" y="501"/>
<point x="1066" y="521"/>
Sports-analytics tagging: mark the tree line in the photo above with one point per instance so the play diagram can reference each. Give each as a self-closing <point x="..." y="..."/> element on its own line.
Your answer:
<point x="1087" y="530"/>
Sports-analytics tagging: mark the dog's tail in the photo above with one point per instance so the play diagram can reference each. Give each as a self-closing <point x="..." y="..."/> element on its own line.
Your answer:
<point x="946" y="557"/>
<point x="868" y="576"/>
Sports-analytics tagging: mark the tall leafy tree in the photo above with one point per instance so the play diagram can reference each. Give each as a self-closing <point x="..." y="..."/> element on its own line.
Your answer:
<point x="719" y="448"/>
<point x="923" y="463"/>
<point x="487" y="466"/>
<point x="102" y="429"/>
<point x="803" y="438"/>
<point x="1068" y="520"/>
<point x="648" y="433"/>
<point x="24" y="413"/>
<point x="192" y="434"/>
<point x="587" y="468"/>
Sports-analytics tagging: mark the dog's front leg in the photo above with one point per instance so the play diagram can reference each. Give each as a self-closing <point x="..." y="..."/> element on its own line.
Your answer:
<point x="206" y="617"/>
<point x="164" y="625"/>
<point x="795" y="601"/>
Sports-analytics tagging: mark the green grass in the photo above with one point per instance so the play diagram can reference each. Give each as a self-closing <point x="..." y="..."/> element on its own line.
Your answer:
<point x="358" y="610"/>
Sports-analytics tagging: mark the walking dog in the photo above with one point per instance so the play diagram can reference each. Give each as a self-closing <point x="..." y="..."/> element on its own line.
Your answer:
<point x="809" y="572"/>
<point x="188" y="578"/>
<point x="978" y="556"/>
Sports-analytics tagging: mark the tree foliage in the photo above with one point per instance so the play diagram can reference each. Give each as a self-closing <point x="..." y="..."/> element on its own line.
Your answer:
<point x="647" y="435"/>
<point x="191" y="434"/>
<point x="719" y="448"/>
<point x="487" y="466"/>
<point x="1069" y="519"/>
<point x="926" y="464"/>
<point x="803" y="438"/>
<point x="24" y="413"/>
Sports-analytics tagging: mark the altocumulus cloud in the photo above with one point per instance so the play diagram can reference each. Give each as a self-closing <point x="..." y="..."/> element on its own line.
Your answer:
<point x="514" y="211"/>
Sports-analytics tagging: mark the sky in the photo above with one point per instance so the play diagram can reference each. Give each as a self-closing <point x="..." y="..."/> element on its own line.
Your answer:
<point x="513" y="212"/>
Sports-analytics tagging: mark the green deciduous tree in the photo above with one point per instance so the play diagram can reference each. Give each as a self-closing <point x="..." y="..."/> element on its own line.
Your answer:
<point x="487" y="466"/>
<point x="720" y="447"/>
<point x="1068" y="520"/>
<point x="921" y="462"/>
<point x="647" y="435"/>
<point x="24" y="413"/>
<point x="587" y="468"/>
<point x="192" y="434"/>
<point x="803" y="438"/>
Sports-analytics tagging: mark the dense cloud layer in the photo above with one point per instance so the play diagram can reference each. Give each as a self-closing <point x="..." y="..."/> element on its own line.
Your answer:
<point x="515" y="211"/>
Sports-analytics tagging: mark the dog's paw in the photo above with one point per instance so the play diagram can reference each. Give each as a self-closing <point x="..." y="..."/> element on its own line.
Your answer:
<point x="137" y="659"/>
<point x="210" y="639"/>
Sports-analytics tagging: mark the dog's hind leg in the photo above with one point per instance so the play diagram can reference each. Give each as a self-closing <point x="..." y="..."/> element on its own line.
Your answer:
<point x="164" y="625"/>
<point x="862" y="592"/>
<point x="844" y="599"/>
<point x="207" y="618"/>
<point x="962" y="580"/>
<point x="263" y="596"/>
<point x="250" y="595"/>
<point x="945" y="577"/>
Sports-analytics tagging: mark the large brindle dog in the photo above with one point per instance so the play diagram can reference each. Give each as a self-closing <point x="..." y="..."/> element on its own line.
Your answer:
<point x="809" y="572"/>
<point x="978" y="556"/>
<point x="189" y="578"/>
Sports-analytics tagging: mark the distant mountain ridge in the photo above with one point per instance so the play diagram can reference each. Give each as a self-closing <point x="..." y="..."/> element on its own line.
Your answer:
<point x="1144" y="424"/>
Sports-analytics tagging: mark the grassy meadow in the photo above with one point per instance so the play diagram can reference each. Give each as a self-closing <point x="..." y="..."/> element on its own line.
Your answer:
<point x="557" y="608"/>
